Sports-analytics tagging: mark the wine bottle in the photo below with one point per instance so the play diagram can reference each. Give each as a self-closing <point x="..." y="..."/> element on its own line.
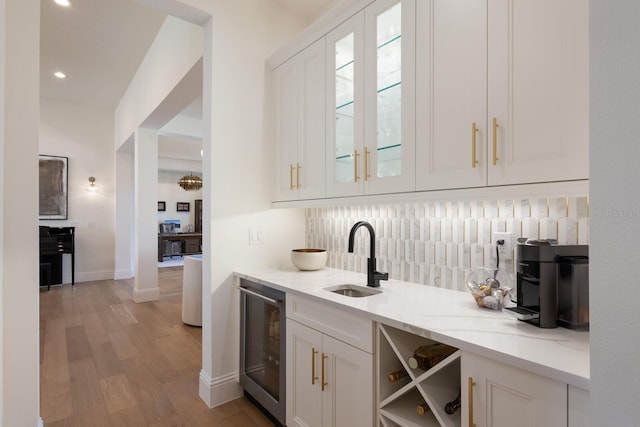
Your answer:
<point x="395" y="376"/>
<point x="427" y="356"/>
<point x="453" y="406"/>
<point x="423" y="408"/>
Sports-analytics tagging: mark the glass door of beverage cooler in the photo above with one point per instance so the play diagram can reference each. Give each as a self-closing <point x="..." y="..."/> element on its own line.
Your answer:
<point x="262" y="346"/>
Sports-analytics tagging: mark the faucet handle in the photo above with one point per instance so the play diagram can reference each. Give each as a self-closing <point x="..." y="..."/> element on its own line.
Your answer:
<point x="377" y="276"/>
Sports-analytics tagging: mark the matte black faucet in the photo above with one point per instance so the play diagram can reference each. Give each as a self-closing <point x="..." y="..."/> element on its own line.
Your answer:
<point x="373" y="276"/>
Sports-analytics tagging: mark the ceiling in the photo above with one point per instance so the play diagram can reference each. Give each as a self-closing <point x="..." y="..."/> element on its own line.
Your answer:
<point x="99" y="44"/>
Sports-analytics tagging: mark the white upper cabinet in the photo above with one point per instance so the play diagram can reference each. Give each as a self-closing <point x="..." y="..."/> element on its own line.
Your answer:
<point x="300" y="125"/>
<point x="345" y="107"/>
<point x="371" y="101"/>
<point x="502" y="92"/>
<point x="538" y="86"/>
<point x="451" y="99"/>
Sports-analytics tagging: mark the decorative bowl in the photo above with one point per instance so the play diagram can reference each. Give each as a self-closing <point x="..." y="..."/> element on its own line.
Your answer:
<point x="486" y="289"/>
<point x="309" y="259"/>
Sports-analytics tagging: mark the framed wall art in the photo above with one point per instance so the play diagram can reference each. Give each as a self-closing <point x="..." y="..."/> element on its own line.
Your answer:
<point x="54" y="193"/>
<point x="182" y="207"/>
<point x="162" y="206"/>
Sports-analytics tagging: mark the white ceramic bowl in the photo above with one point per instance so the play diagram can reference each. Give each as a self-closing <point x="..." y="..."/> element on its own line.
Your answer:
<point x="309" y="259"/>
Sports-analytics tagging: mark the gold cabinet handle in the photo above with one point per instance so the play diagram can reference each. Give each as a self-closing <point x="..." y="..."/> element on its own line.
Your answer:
<point x="298" y="175"/>
<point x="313" y="365"/>
<point x="495" y="141"/>
<point x="324" y="384"/>
<point x="470" y="384"/>
<point x="474" y="144"/>
<point x="355" y="165"/>
<point x="366" y="164"/>
<point x="290" y="176"/>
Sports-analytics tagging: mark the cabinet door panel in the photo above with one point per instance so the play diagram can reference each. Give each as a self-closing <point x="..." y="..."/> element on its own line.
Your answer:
<point x="311" y="122"/>
<point x="304" y="396"/>
<point x="502" y="395"/>
<point x="286" y="113"/>
<point x="451" y="79"/>
<point x="389" y="163"/>
<point x="538" y="90"/>
<point x="345" y="106"/>
<point x="348" y="396"/>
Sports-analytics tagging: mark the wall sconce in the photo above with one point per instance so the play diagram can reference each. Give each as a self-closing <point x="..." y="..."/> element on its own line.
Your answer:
<point x="92" y="185"/>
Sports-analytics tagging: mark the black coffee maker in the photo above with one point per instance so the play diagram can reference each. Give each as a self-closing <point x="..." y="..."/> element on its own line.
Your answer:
<point x="552" y="284"/>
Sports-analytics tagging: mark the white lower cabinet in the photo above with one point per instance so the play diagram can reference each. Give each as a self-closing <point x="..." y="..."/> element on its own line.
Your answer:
<point x="329" y="382"/>
<point x="499" y="395"/>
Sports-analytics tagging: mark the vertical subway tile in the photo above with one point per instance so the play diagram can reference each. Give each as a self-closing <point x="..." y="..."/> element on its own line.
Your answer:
<point x="415" y="229"/>
<point x="578" y="207"/>
<point x="490" y="209"/>
<point x="440" y="209"/>
<point x="457" y="279"/>
<point x="477" y="255"/>
<point x="498" y="224"/>
<point x="522" y="208"/>
<point x="445" y="229"/>
<point x="430" y="252"/>
<point x="477" y="209"/>
<point x="452" y="210"/>
<point x="548" y="228"/>
<point x="445" y="277"/>
<point x="409" y="250"/>
<point x="558" y="207"/>
<point x="489" y="256"/>
<point x="470" y="230"/>
<point x="434" y="228"/>
<point x="457" y="230"/>
<point x="567" y="231"/>
<point x="440" y="253"/>
<point x="424" y="229"/>
<point x="514" y="226"/>
<point x="400" y="254"/>
<point x="379" y="227"/>
<point x="530" y="228"/>
<point x="583" y="231"/>
<point x="424" y="273"/>
<point x="464" y="209"/>
<point x="451" y="251"/>
<point x="419" y="251"/>
<point x="464" y="255"/>
<point x="484" y="230"/>
<point x="429" y="210"/>
<point x="505" y="208"/>
<point x="405" y="228"/>
<point x="434" y="275"/>
<point x="539" y="208"/>
<point x="391" y="249"/>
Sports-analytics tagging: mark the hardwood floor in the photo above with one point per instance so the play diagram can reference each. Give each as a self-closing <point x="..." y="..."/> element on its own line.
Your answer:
<point x="107" y="361"/>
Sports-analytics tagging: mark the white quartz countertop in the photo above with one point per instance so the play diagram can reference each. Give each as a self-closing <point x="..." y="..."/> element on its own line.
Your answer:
<point x="451" y="317"/>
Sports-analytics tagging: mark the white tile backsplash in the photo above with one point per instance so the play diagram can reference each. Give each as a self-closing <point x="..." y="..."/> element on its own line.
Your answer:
<point x="439" y="243"/>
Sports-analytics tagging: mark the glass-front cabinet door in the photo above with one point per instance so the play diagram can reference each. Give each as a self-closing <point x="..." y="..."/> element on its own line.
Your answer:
<point x="345" y="107"/>
<point x="371" y="101"/>
<point x="389" y="164"/>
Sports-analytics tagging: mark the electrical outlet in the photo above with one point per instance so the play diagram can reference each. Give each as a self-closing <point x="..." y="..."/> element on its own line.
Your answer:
<point x="256" y="236"/>
<point x="505" y="247"/>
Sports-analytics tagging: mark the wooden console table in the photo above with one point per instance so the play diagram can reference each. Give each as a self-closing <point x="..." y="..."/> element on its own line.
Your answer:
<point x="189" y="244"/>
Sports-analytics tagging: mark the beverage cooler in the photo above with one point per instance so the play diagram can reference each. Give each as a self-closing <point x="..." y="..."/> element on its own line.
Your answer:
<point x="262" y="346"/>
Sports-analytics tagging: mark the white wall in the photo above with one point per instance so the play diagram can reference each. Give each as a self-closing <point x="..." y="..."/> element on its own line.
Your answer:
<point x="170" y="192"/>
<point x="19" y="97"/>
<point x="615" y="212"/>
<point x="239" y="165"/>
<point x="85" y="136"/>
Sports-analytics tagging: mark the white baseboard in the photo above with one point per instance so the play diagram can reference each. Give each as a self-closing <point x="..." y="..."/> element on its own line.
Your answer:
<point x="122" y="274"/>
<point x="40" y="422"/>
<point x="220" y="390"/>
<point x="146" y="295"/>
<point x="90" y="276"/>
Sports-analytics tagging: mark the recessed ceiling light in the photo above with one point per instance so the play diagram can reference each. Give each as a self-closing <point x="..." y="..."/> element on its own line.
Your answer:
<point x="65" y="3"/>
<point x="60" y="75"/>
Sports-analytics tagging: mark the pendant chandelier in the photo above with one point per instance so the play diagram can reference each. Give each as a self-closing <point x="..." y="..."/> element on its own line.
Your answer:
<point x="190" y="182"/>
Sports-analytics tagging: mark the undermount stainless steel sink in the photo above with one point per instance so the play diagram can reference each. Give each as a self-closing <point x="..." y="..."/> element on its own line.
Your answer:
<point x="353" y="291"/>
